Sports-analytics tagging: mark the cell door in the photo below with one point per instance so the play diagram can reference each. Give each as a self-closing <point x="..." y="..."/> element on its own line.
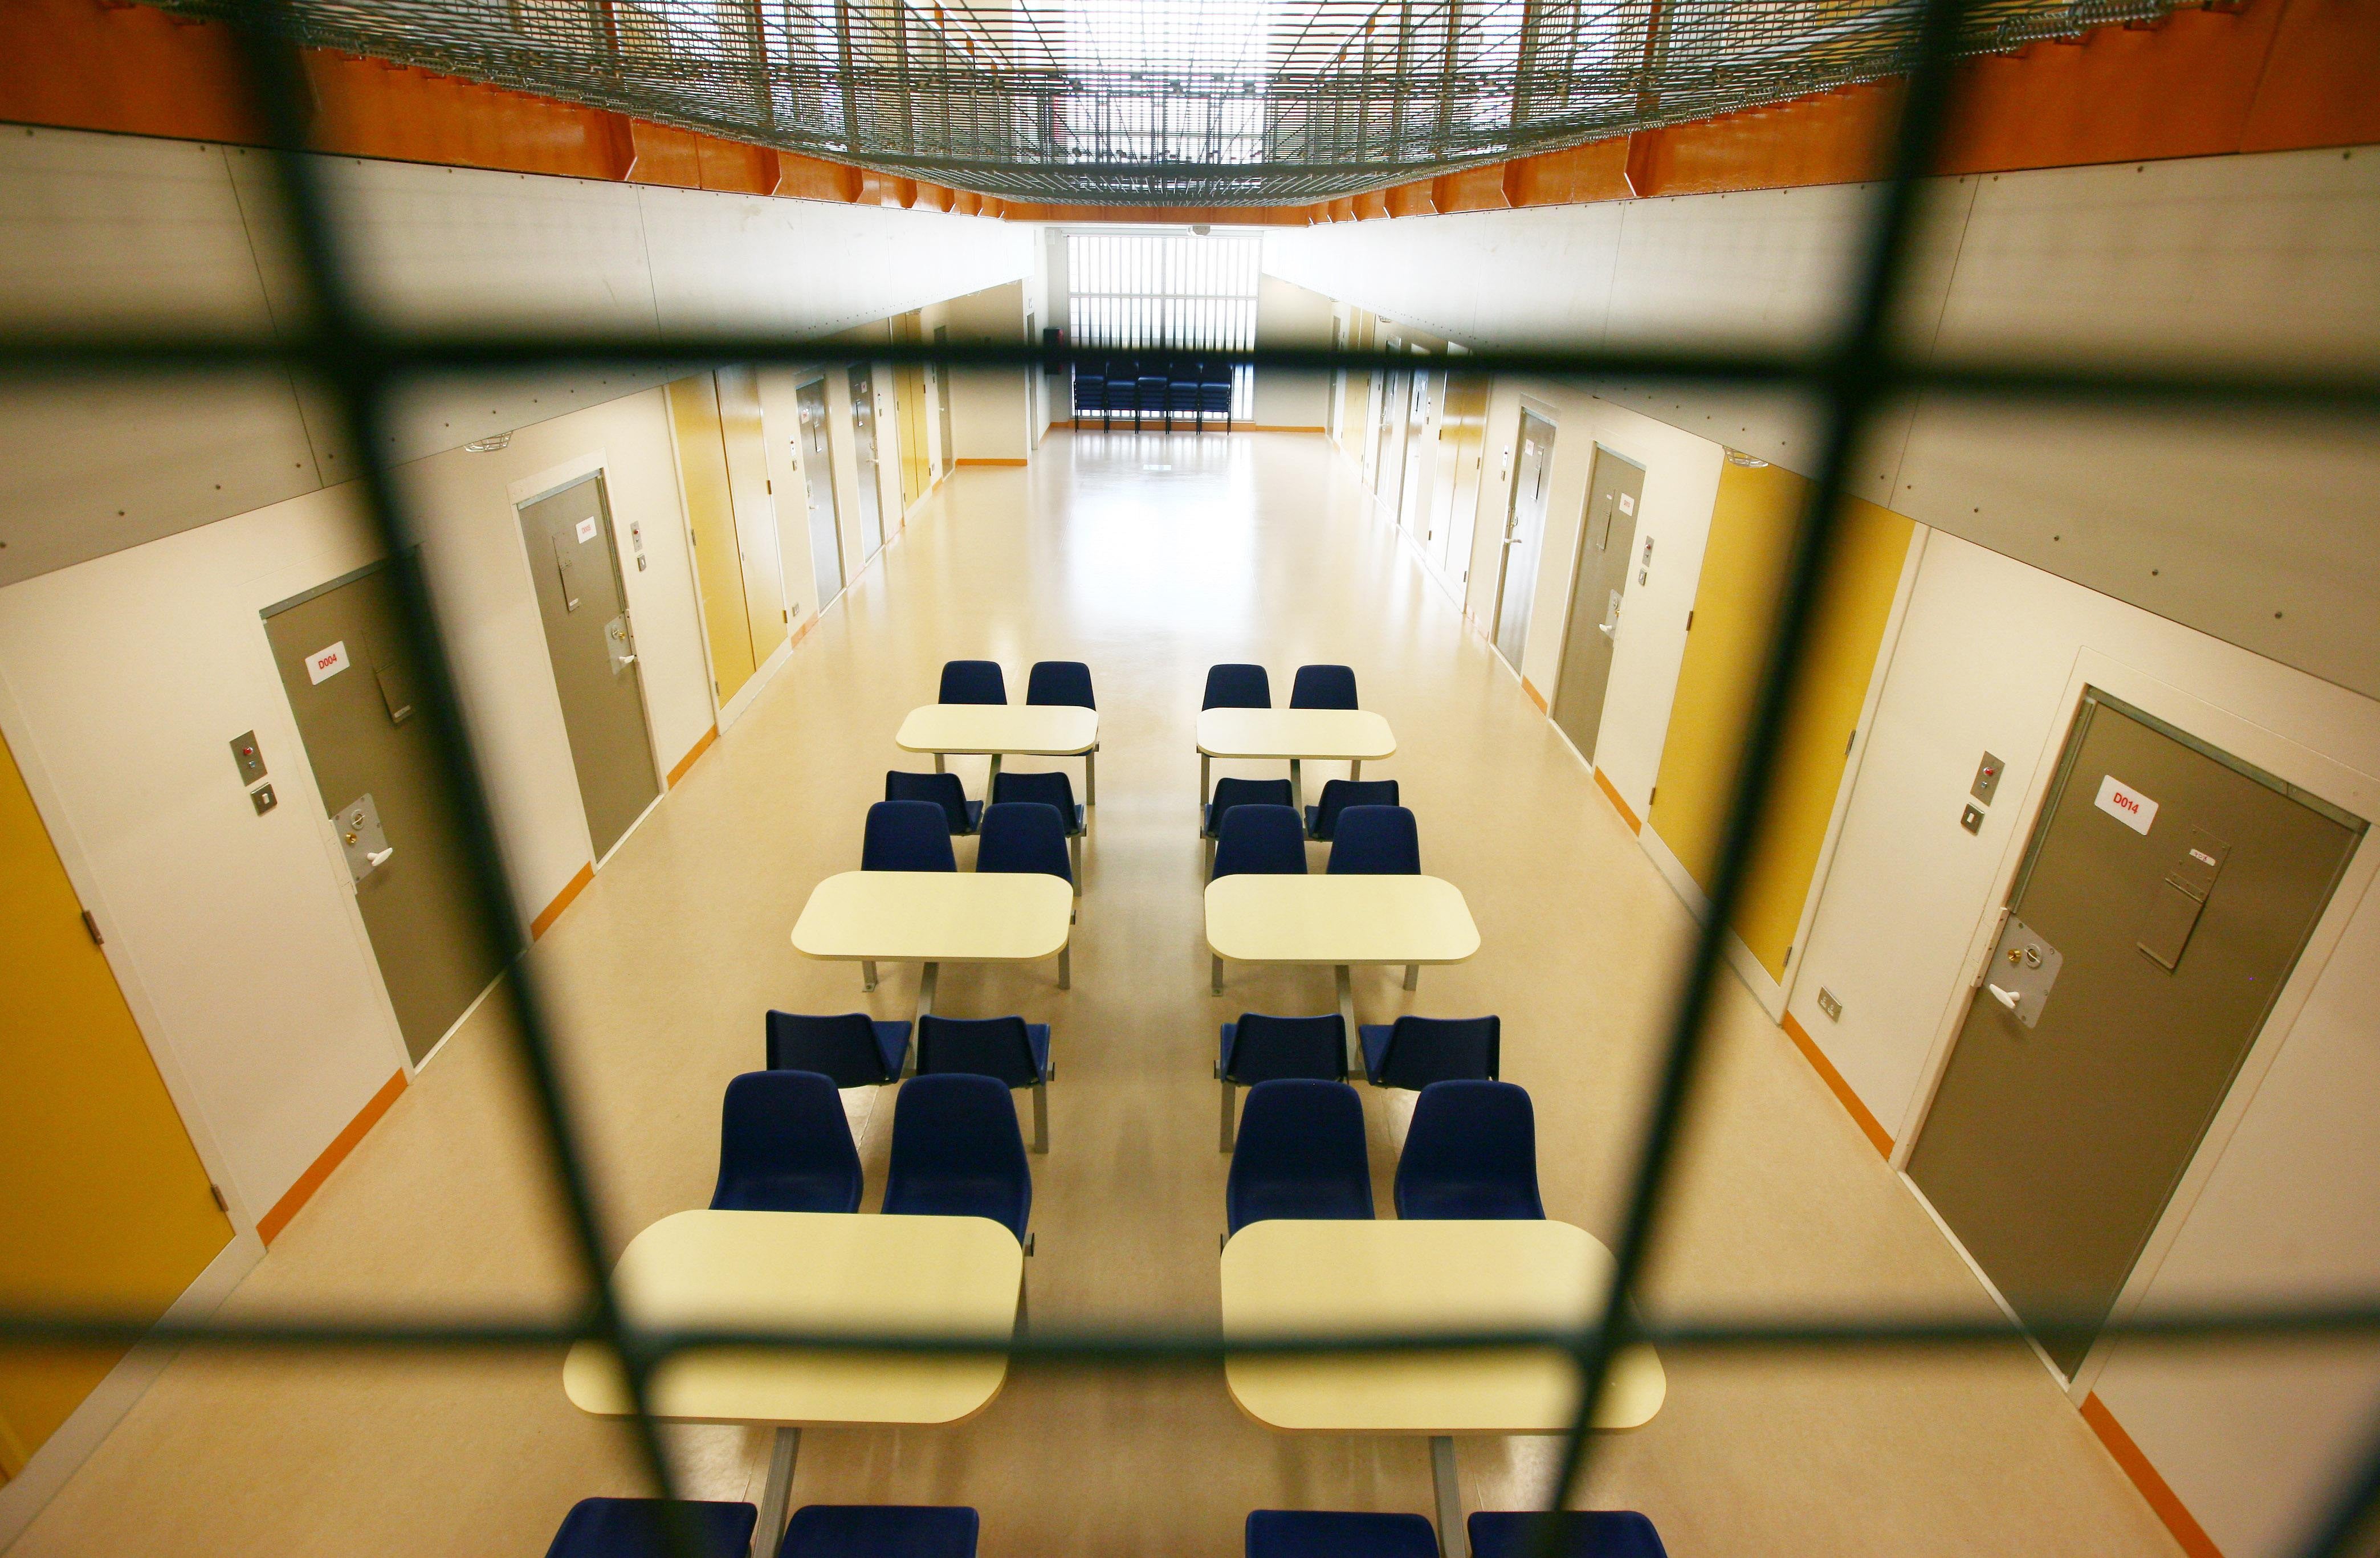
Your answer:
<point x="1462" y="429"/>
<point x="1524" y="530"/>
<point x="817" y="462"/>
<point x="1339" y="378"/>
<point x="1421" y="453"/>
<point x="2166" y="895"/>
<point x="863" y="452"/>
<point x="1605" y="554"/>
<point x="378" y="752"/>
<point x="574" y="566"/>
<point x="1376" y="392"/>
<point x="942" y="399"/>
<point x="1397" y="422"/>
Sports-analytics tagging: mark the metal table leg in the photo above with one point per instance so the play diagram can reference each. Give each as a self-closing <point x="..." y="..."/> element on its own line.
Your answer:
<point x="992" y="778"/>
<point x="867" y="973"/>
<point x="777" y="1494"/>
<point x="1091" y="777"/>
<point x="1215" y="973"/>
<point x="1356" y="767"/>
<point x="1347" y="1015"/>
<point x="1413" y="976"/>
<point x="1205" y="787"/>
<point x="938" y="762"/>
<point x="1297" y="790"/>
<point x="1065" y="968"/>
<point x="1452" y="1542"/>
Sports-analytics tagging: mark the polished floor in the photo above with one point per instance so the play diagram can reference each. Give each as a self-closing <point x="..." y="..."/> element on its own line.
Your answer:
<point x="1150" y="558"/>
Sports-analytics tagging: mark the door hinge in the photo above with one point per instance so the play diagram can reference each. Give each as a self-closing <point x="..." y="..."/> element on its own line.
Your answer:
<point x="770" y="484"/>
<point x="1690" y="622"/>
<point x="1850" y="742"/>
<point x="221" y="1204"/>
<point x="786" y="614"/>
<point x="1650" y="796"/>
<point x="1789" y="956"/>
<point x="90" y="924"/>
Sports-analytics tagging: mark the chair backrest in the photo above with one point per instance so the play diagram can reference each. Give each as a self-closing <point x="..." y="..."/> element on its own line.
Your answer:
<point x="1054" y="790"/>
<point x="1000" y="1047"/>
<point x="843" y="1049"/>
<point x="972" y="681"/>
<point x="957" y="1151"/>
<point x="907" y="836"/>
<point x="1022" y="837"/>
<point x="881" y="1530"/>
<point x="1323" y="687"/>
<point x="1581" y="1533"/>
<point x="1338" y="794"/>
<point x="1265" y="1049"/>
<point x="935" y="789"/>
<point x="1260" y="841"/>
<point x="1426" y="1049"/>
<point x="635" y="1528"/>
<point x="1237" y="687"/>
<point x="1300" y="1149"/>
<point x="1470" y="1152"/>
<point x="785" y="1145"/>
<point x="1375" y="841"/>
<point x="1059" y="681"/>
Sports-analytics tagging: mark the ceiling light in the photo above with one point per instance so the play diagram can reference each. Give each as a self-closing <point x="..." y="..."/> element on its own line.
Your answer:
<point x="488" y="445"/>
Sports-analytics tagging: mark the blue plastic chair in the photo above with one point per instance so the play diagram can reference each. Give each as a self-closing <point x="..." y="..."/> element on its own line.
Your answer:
<point x="1237" y="687"/>
<point x="1323" y="687"/>
<point x="1339" y="795"/>
<point x="1259" y="840"/>
<point x="1215" y="392"/>
<point x="1151" y="399"/>
<point x="633" y="1528"/>
<point x="1262" y="1049"/>
<point x="1375" y="841"/>
<point x="1055" y="791"/>
<point x="1584" y="1533"/>
<point x="1090" y="394"/>
<point x="1009" y="1049"/>
<point x="936" y="789"/>
<point x="1230" y="793"/>
<point x="851" y="1051"/>
<point x="1324" y="1533"/>
<point x="785" y="1145"/>
<point x="1300" y="1154"/>
<point x="907" y="836"/>
<point x="1059" y="681"/>
<point x="1025" y="837"/>
<point x="972" y="681"/>
<point x="1470" y="1153"/>
<point x="1181" y="391"/>
<point x="957" y="1152"/>
<point x="881" y="1530"/>
<point x="1414" y="1052"/>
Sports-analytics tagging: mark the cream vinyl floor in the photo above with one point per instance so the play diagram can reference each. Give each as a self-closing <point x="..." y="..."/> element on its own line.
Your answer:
<point x="1149" y="558"/>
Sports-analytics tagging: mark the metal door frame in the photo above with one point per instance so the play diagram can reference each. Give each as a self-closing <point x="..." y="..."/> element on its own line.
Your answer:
<point x="2256" y="750"/>
<point x="1596" y="451"/>
<point x="537" y="489"/>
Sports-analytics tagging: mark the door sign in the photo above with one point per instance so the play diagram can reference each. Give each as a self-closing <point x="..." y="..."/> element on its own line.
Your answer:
<point x="324" y="664"/>
<point x="2125" y="804"/>
<point x="586" y="530"/>
<point x="1627" y="502"/>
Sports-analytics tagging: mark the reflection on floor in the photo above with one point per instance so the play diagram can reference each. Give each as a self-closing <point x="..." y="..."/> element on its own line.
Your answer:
<point x="1257" y="547"/>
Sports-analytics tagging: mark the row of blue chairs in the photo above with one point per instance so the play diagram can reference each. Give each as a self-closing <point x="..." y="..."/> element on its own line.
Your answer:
<point x="1471" y="1152"/>
<point x="1166" y="385"/>
<point x="1410" y="1052"/>
<point x="632" y="1528"/>
<point x="1054" y="682"/>
<point x="908" y="833"/>
<point x="857" y="1050"/>
<point x="785" y="1145"/>
<point x="1238" y="686"/>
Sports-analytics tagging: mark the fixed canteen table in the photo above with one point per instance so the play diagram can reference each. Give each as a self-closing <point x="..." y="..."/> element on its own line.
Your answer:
<point x="915" y="1278"/>
<point x="998" y="730"/>
<point x="1342" y="921"/>
<point x="1351" y="736"/>
<point x="1365" y="1278"/>
<point x="938" y="916"/>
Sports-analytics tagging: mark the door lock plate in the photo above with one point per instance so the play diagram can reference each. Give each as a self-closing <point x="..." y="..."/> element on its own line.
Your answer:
<point x="2022" y="971"/>
<point x="361" y="838"/>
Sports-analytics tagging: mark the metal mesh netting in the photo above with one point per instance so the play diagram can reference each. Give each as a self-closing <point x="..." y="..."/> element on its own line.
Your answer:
<point x="1166" y="102"/>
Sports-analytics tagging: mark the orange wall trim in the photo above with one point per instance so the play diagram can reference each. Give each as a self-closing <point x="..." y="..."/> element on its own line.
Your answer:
<point x="1535" y="696"/>
<point x="268" y="1226"/>
<point x="693" y="752"/>
<point x="1878" y="1138"/>
<point x="988" y="462"/>
<point x="2186" y="1531"/>
<point x="1611" y="793"/>
<point x="544" y="921"/>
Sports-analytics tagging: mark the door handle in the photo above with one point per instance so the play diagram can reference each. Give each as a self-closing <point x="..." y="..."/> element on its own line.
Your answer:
<point x="379" y="858"/>
<point x="2008" y="998"/>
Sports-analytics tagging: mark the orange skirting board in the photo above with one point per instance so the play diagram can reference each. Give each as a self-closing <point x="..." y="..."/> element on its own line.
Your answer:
<point x="268" y="1226"/>
<point x="692" y="752"/>
<point x="2186" y="1531"/>
<point x="1611" y="793"/>
<point x="1876" y="1135"/>
<point x="553" y="911"/>
<point x="988" y="462"/>
<point x="1535" y="696"/>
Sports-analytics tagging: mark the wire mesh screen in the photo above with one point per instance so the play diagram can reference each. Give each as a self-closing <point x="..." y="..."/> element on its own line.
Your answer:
<point x="1166" y="292"/>
<point x="1190" y="102"/>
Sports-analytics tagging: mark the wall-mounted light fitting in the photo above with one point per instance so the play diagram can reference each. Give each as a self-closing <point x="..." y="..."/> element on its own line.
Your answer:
<point x="488" y="445"/>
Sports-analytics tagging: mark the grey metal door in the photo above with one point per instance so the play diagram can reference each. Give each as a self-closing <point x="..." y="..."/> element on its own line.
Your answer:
<point x="2165" y="898"/>
<point x="576" y="568"/>
<point x="1524" y="530"/>
<point x="1397" y="419"/>
<point x="1421" y="452"/>
<point x="817" y="480"/>
<point x="1605" y="554"/>
<point x="863" y="452"/>
<point x="375" y="746"/>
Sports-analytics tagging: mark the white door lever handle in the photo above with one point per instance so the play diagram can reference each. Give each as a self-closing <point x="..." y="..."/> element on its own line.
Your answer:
<point x="379" y="858"/>
<point x="2008" y="998"/>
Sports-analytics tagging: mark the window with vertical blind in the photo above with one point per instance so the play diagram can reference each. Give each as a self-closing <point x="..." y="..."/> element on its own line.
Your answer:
<point x="1166" y="292"/>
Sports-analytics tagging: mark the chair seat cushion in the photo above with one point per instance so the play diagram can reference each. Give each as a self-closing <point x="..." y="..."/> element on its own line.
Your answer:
<point x="1300" y="1199"/>
<point x="632" y="1528"/>
<point x="1373" y="1038"/>
<point x="789" y="1192"/>
<point x="858" y="1530"/>
<point x="1586" y="1533"/>
<point x="1321" y="1533"/>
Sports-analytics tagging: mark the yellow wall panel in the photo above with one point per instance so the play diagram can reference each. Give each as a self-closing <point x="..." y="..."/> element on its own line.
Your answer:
<point x="1735" y="604"/>
<point x="710" y="514"/>
<point x="103" y="1202"/>
<point x="745" y="440"/>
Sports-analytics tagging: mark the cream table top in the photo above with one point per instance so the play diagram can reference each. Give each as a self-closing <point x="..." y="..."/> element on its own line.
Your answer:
<point x="1041" y="730"/>
<point x="936" y="917"/>
<point x="1339" y="735"/>
<point x="940" y="1277"/>
<point x="1286" y="1278"/>
<point x="1339" y="919"/>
